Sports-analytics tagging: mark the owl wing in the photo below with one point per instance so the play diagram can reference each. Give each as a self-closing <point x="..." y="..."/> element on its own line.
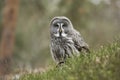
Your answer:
<point x="79" y="42"/>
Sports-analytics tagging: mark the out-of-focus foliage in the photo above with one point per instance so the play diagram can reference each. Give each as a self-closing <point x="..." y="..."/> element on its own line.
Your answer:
<point x="103" y="64"/>
<point x="97" y="20"/>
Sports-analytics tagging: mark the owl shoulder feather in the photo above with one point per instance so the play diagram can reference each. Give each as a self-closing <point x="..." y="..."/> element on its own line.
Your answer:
<point x="79" y="41"/>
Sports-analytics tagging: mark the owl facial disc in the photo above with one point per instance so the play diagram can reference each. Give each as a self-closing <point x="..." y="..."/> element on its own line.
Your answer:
<point x="60" y="31"/>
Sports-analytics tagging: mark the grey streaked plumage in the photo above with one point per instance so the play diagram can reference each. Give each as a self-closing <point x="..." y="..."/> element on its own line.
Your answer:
<point x="65" y="40"/>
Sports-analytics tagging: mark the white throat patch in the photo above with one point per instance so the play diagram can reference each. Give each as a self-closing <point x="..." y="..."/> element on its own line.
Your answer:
<point x="62" y="34"/>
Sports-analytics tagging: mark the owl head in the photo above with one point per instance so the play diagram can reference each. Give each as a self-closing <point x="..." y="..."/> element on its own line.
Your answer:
<point x="60" y="26"/>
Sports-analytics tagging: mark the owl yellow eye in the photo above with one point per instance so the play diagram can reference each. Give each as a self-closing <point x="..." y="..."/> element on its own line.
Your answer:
<point x="64" y="25"/>
<point x="56" y="25"/>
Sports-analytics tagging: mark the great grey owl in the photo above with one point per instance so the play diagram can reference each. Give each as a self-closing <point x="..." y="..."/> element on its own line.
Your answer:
<point x="65" y="40"/>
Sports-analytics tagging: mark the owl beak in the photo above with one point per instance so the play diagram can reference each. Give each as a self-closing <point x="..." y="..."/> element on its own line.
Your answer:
<point x="60" y="30"/>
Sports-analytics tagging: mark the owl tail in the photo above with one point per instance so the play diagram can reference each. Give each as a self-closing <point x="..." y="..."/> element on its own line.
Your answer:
<point x="87" y="50"/>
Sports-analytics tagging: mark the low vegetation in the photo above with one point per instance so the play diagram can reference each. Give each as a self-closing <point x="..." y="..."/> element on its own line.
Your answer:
<point x="103" y="64"/>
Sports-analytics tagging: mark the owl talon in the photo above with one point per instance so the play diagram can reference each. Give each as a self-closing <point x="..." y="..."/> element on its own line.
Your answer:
<point x="60" y="64"/>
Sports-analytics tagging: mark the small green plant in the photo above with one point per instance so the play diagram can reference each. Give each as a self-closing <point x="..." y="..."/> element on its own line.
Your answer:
<point x="103" y="64"/>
